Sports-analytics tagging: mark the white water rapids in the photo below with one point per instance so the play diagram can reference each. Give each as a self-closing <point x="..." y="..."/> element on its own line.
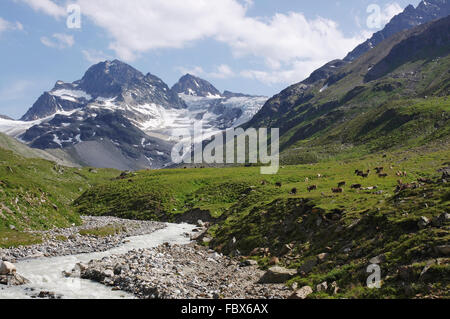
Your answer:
<point x="46" y="274"/>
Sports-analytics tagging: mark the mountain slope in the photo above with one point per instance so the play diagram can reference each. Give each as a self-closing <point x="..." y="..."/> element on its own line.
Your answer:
<point x="10" y="143"/>
<point x="194" y="86"/>
<point x="391" y="89"/>
<point x="411" y="17"/>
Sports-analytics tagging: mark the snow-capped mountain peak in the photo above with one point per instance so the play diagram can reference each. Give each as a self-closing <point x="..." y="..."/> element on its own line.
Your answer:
<point x="115" y="116"/>
<point x="194" y="86"/>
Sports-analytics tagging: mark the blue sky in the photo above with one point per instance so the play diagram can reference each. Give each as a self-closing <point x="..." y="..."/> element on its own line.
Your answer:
<point x="257" y="47"/>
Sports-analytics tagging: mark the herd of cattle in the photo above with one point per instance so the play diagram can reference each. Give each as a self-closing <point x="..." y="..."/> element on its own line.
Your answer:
<point x="340" y="186"/>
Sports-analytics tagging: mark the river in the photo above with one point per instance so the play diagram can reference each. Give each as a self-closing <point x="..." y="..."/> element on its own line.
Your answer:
<point x="46" y="274"/>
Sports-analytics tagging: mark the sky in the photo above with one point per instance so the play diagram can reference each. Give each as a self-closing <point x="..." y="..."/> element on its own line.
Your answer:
<point x="251" y="46"/>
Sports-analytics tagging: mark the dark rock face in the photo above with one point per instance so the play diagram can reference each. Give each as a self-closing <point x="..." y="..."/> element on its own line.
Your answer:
<point x="117" y="79"/>
<point x="192" y="85"/>
<point x="47" y="105"/>
<point x="411" y="17"/>
<point x="105" y="80"/>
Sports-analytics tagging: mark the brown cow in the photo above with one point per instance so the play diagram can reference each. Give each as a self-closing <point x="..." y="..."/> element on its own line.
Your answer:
<point x="278" y="184"/>
<point x="382" y="175"/>
<point x="337" y="190"/>
<point x="356" y="186"/>
<point x="312" y="188"/>
<point x="294" y="191"/>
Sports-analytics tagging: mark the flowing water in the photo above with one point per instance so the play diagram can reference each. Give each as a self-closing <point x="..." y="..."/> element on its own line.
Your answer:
<point x="45" y="274"/>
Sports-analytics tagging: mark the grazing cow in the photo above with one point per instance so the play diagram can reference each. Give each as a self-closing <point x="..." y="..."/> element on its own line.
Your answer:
<point x="312" y="188"/>
<point x="379" y="169"/>
<point x="382" y="175"/>
<point x="364" y="175"/>
<point x="358" y="172"/>
<point x="294" y="191"/>
<point x="278" y="184"/>
<point x="337" y="190"/>
<point x="263" y="182"/>
<point x="341" y="184"/>
<point x="356" y="186"/>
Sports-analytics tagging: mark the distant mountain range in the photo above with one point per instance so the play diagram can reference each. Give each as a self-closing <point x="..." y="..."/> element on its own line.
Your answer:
<point x="116" y="116"/>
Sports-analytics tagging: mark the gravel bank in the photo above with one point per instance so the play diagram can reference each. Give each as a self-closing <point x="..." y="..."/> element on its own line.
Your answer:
<point x="181" y="271"/>
<point x="74" y="243"/>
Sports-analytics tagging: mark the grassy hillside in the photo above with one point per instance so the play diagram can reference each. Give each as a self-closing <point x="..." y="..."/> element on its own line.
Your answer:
<point x="258" y="214"/>
<point x="58" y="156"/>
<point x="37" y="194"/>
<point x="394" y="95"/>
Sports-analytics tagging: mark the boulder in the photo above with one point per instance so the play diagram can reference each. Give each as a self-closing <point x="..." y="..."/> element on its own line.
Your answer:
<point x="322" y="287"/>
<point x="302" y="293"/>
<point x="13" y="280"/>
<point x="277" y="275"/>
<point x="423" y="222"/>
<point x="6" y="268"/>
<point x="378" y="259"/>
<point x="322" y="257"/>
<point x="334" y="288"/>
<point x="441" y="220"/>
<point x="108" y="273"/>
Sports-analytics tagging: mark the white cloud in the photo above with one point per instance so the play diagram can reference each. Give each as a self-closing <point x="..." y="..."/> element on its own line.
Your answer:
<point x="95" y="56"/>
<point x="289" y="44"/>
<point x="389" y="11"/>
<point x="223" y="72"/>
<point x="58" y="41"/>
<point x="46" y="6"/>
<point x="6" y="25"/>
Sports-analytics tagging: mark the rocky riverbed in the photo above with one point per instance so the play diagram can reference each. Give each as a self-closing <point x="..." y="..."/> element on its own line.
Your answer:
<point x="156" y="261"/>
<point x="179" y="272"/>
<point x="69" y="241"/>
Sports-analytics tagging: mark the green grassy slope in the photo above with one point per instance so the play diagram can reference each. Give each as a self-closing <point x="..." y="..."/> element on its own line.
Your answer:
<point x="10" y="143"/>
<point x="37" y="194"/>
